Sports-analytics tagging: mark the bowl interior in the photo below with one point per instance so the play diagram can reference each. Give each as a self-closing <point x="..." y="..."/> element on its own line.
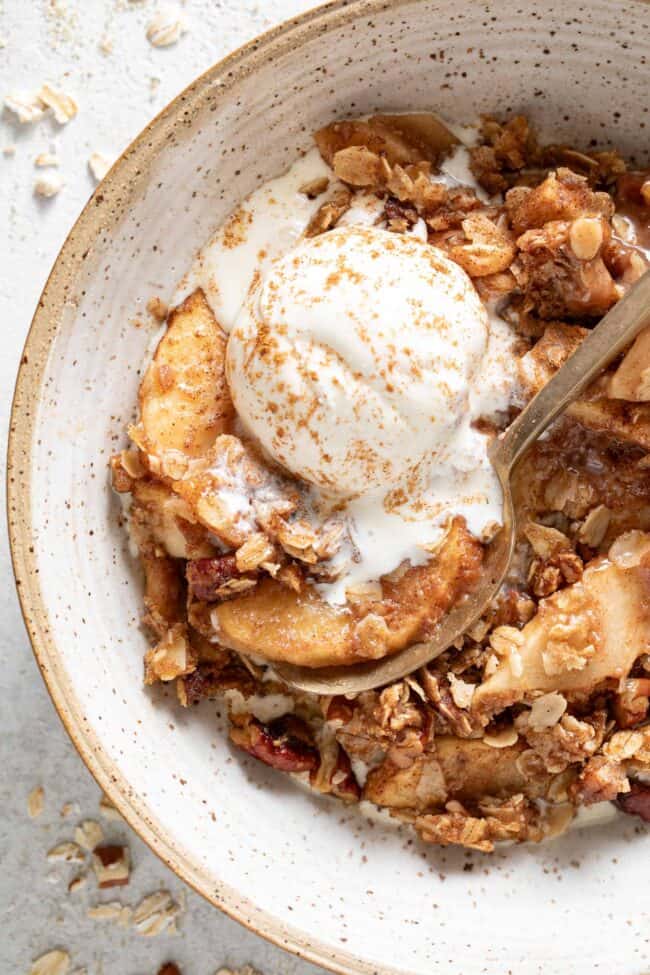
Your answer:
<point x="343" y="888"/>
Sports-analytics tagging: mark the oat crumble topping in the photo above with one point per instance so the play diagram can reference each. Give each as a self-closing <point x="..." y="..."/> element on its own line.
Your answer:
<point x="542" y="706"/>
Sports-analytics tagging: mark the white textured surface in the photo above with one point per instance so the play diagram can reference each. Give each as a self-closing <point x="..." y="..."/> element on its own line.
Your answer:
<point x="116" y="98"/>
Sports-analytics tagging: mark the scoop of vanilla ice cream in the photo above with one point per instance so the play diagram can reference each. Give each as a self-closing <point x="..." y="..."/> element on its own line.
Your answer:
<point x="352" y="359"/>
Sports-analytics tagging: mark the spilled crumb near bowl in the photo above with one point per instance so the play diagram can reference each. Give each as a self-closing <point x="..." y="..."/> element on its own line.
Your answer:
<point x="89" y="861"/>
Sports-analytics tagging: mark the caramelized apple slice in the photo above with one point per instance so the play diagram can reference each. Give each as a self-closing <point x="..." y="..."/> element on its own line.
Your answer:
<point x="615" y="403"/>
<point x="184" y="397"/>
<point x="159" y="514"/>
<point x="459" y="768"/>
<point x="599" y="626"/>
<point x="276" y="623"/>
<point x="301" y="628"/>
<point x="627" y="422"/>
<point x="631" y="381"/>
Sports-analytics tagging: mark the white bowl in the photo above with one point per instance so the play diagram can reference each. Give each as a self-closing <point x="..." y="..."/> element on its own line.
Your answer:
<point x="304" y="871"/>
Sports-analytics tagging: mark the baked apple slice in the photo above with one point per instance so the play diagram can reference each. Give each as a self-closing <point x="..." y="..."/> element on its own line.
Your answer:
<point x="465" y="769"/>
<point x="184" y="398"/>
<point x="615" y="403"/>
<point x="582" y="637"/>
<point x="277" y="623"/>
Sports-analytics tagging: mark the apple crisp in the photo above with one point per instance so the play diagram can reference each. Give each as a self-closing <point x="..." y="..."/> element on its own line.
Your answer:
<point x="542" y="706"/>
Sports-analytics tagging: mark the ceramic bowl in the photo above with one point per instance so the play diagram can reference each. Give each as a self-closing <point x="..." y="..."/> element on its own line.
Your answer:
<point x="322" y="880"/>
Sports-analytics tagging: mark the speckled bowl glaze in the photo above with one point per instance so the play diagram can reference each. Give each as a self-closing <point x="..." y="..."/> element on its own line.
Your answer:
<point x="310" y="874"/>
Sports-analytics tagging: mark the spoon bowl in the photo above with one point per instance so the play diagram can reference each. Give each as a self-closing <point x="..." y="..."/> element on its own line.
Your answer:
<point x="605" y="342"/>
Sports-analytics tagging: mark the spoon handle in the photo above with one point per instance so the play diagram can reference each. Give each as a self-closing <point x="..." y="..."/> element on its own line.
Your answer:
<point x="609" y="338"/>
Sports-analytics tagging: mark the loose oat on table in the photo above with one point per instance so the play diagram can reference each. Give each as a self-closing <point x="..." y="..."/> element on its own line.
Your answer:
<point x="167" y="26"/>
<point x="55" y="962"/>
<point x="36" y="802"/>
<point x="155" y="914"/>
<point x="45" y="159"/>
<point x="77" y="882"/>
<point x="26" y="107"/>
<point x="67" y="852"/>
<point x="49" y="185"/>
<point x="63" y="105"/>
<point x="88" y="834"/>
<point x="99" y="164"/>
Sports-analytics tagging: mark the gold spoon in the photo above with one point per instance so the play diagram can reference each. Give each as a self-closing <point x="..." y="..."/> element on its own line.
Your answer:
<point x="606" y="341"/>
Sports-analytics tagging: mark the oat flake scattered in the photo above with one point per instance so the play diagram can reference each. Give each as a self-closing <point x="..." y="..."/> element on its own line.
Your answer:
<point x="63" y="105"/>
<point x="68" y="852"/>
<point x="36" y="801"/>
<point x="106" y="45"/>
<point x="46" y="159"/>
<point x="156" y="913"/>
<point x="77" y="883"/>
<point x="167" y="26"/>
<point x="26" y="106"/>
<point x="99" y="165"/>
<point x="105" y="912"/>
<point x="54" y="962"/>
<point x="89" y="834"/>
<point x="9" y="151"/>
<point x="49" y="185"/>
<point x="68" y="808"/>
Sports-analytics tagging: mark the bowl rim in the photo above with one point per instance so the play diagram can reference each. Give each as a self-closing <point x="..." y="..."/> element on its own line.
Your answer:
<point x="100" y="211"/>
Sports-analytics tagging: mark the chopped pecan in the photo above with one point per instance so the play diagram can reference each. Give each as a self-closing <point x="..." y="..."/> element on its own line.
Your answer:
<point x="399" y="215"/>
<point x="329" y="213"/>
<point x="212" y="580"/>
<point x="636" y="802"/>
<point x="339" y="709"/>
<point x="111" y="863"/>
<point x="285" y="744"/>
<point x="599" y="781"/>
<point x="213" y="678"/>
<point x="453" y="718"/>
<point x="562" y="196"/>
<point x="505" y="151"/>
